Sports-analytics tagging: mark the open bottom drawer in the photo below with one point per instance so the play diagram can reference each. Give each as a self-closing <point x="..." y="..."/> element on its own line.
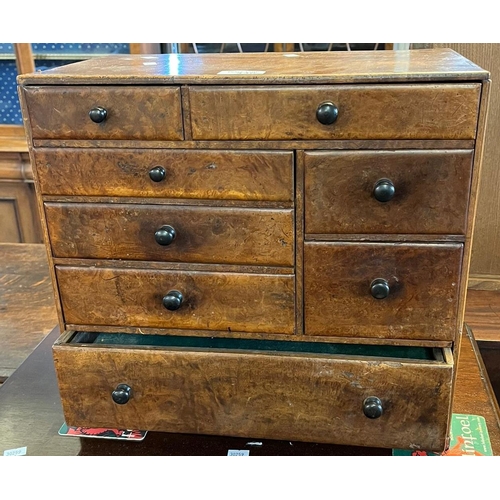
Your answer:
<point x="304" y="391"/>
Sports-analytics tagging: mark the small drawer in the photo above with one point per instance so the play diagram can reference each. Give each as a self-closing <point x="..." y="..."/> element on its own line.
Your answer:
<point x="105" y="112"/>
<point x="383" y="396"/>
<point x="171" y="233"/>
<point x="160" y="173"/>
<point x="419" y="111"/>
<point x="384" y="192"/>
<point x="237" y="302"/>
<point x="393" y="291"/>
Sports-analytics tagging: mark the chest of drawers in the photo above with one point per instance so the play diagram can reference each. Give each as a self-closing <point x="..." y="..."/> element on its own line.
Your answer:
<point x="269" y="246"/>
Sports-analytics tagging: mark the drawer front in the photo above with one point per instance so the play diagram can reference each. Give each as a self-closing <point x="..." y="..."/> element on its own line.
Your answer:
<point x="149" y="113"/>
<point x="171" y="233"/>
<point x="160" y="173"/>
<point x="445" y="111"/>
<point x="423" y="287"/>
<point x="265" y="396"/>
<point x="367" y="192"/>
<point x="210" y="301"/>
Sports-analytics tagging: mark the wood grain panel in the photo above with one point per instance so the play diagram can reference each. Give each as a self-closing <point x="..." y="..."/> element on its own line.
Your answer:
<point x="200" y="174"/>
<point x="9" y="220"/>
<point x="423" y="298"/>
<point x="19" y="219"/>
<point x="365" y="112"/>
<point x="485" y="258"/>
<point x="271" y="396"/>
<point x="212" y="301"/>
<point x="431" y="192"/>
<point x="149" y="113"/>
<point x="202" y="234"/>
<point x="260" y="145"/>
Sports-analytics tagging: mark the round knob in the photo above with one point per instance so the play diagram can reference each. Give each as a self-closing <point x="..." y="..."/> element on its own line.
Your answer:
<point x="372" y="407"/>
<point x="384" y="190"/>
<point x="379" y="288"/>
<point x="157" y="174"/>
<point x="173" y="300"/>
<point x="327" y="113"/>
<point x="98" y="114"/>
<point x="165" y="235"/>
<point x="121" y="394"/>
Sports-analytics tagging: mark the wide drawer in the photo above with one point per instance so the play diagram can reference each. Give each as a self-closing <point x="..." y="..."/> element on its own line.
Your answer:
<point x="236" y="302"/>
<point x="160" y="173"/>
<point x="62" y="112"/>
<point x="388" y="192"/>
<point x="420" y="283"/>
<point x="171" y="233"/>
<point x="447" y="111"/>
<point x="314" y="393"/>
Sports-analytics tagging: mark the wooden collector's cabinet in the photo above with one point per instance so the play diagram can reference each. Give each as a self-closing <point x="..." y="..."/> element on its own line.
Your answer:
<point x="267" y="246"/>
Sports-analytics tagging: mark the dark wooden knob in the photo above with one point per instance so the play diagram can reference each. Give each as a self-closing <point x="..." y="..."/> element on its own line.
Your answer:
<point x="384" y="190"/>
<point x="379" y="288"/>
<point x="165" y="235"/>
<point x="372" y="407"/>
<point x="122" y="394"/>
<point x="157" y="174"/>
<point x="98" y="114"/>
<point x="173" y="300"/>
<point x="327" y="113"/>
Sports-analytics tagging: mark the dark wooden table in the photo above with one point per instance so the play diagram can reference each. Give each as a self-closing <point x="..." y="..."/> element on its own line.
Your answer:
<point x="27" y="310"/>
<point x="31" y="415"/>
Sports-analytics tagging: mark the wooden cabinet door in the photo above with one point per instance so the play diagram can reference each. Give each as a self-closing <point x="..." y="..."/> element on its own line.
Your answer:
<point x="19" y="220"/>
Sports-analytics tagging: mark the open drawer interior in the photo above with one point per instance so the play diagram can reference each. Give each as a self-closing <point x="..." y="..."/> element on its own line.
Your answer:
<point x="125" y="340"/>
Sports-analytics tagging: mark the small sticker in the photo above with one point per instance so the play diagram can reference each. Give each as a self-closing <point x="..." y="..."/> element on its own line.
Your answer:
<point x="238" y="453"/>
<point x="101" y="432"/>
<point x="468" y="437"/>
<point x="16" y="452"/>
<point x="149" y="64"/>
<point x="241" y="72"/>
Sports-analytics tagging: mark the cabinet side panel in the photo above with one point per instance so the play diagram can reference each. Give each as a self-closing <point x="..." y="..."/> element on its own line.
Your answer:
<point x="41" y="211"/>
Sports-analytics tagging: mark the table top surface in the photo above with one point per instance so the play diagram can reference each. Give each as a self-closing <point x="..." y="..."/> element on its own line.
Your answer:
<point x="27" y="310"/>
<point x="269" y="68"/>
<point x="31" y="412"/>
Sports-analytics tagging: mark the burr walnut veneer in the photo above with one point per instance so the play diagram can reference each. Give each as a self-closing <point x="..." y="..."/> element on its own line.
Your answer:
<point x="263" y="246"/>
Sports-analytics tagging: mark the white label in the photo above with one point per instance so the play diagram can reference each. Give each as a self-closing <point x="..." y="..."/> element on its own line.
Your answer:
<point x="17" y="452"/>
<point x="149" y="64"/>
<point x="238" y="453"/>
<point x="241" y="72"/>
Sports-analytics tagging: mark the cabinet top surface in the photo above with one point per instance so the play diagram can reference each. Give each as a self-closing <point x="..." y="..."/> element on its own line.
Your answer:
<point x="269" y="68"/>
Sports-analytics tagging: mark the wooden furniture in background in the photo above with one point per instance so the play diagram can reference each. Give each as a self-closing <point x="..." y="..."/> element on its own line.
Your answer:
<point x="202" y="48"/>
<point x="24" y="58"/>
<point x="485" y="263"/>
<point x="264" y="283"/>
<point x="19" y="218"/>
